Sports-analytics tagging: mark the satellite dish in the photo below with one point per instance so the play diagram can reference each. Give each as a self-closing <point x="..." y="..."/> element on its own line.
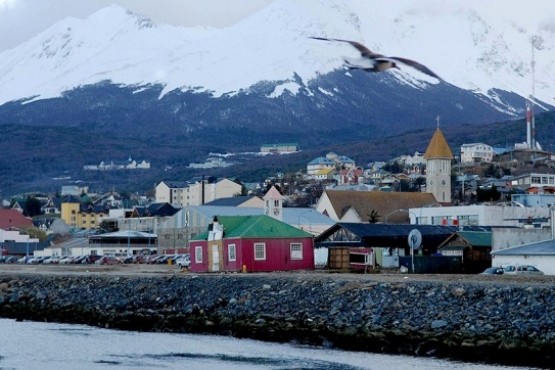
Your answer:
<point x="415" y="239"/>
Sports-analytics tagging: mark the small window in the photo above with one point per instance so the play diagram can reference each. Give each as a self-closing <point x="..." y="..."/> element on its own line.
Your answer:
<point x="259" y="251"/>
<point x="198" y="254"/>
<point x="296" y="251"/>
<point x="231" y="252"/>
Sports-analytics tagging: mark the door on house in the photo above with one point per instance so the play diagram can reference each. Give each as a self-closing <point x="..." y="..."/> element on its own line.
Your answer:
<point x="215" y="258"/>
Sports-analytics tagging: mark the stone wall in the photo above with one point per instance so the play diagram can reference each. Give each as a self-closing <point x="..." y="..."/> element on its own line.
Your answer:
<point x="498" y="323"/>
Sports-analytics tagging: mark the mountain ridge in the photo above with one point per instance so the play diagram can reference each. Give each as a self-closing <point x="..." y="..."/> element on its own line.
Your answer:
<point x="186" y="92"/>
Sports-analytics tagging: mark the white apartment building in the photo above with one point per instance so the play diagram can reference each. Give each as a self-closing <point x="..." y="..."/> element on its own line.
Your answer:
<point x="476" y="152"/>
<point x="480" y="215"/>
<point x="183" y="194"/>
<point x="533" y="180"/>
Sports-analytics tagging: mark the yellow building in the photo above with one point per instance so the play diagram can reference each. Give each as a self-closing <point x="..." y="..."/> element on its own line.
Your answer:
<point x="80" y="217"/>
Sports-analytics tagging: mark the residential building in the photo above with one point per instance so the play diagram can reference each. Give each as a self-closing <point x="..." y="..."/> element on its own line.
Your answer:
<point x="76" y="215"/>
<point x="130" y="164"/>
<point x="195" y="192"/>
<point x="330" y="161"/>
<point x="476" y="153"/>
<point x="74" y="190"/>
<point x="10" y="218"/>
<point x="251" y="244"/>
<point x="315" y="166"/>
<point x="279" y="148"/>
<point x="324" y="174"/>
<point x="438" y="157"/>
<point x="534" y="180"/>
<point x="350" y="176"/>
<point x="212" y="162"/>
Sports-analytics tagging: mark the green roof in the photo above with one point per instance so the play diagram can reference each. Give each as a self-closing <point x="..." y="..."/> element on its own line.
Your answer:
<point x="477" y="238"/>
<point x="260" y="226"/>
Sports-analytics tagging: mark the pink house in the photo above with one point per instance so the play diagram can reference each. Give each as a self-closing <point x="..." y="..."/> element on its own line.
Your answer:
<point x="251" y="244"/>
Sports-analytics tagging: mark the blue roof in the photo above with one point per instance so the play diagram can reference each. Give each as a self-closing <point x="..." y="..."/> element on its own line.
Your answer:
<point x="321" y="160"/>
<point x="230" y="201"/>
<point x="543" y="248"/>
<point x="290" y="215"/>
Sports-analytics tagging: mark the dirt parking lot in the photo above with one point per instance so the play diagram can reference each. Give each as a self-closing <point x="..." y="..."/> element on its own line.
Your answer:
<point x="165" y="270"/>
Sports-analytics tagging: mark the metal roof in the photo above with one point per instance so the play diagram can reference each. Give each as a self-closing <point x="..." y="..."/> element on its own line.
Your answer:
<point x="543" y="248"/>
<point x="260" y="226"/>
<point x="387" y="235"/>
<point x="124" y="234"/>
<point x="230" y="201"/>
<point x="290" y="215"/>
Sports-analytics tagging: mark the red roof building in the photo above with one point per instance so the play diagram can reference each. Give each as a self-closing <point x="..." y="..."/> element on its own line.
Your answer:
<point x="10" y="218"/>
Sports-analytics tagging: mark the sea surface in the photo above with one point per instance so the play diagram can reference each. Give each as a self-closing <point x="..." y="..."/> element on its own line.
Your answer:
<point x="45" y="346"/>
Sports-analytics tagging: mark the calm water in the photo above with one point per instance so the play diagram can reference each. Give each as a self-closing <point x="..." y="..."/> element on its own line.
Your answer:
<point x="30" y="345"/>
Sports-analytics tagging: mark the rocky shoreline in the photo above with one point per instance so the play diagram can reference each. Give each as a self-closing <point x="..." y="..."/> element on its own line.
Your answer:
<point x="494" y="323"/>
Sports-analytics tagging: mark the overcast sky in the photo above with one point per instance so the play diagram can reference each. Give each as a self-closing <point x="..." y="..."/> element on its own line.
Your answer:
<point x="22" y="19"/>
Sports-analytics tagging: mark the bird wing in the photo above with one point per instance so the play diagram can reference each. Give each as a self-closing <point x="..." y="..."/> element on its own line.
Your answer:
<point x="414" y="64"/>
<point x="364" y="51"/>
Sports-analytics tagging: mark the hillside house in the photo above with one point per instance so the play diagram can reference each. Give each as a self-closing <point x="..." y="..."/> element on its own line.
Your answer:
<point x="351" y="176"/>
<point x="476" y="153"/>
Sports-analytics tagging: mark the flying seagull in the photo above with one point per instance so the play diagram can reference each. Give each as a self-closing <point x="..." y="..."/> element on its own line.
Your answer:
<point x="373" y="62"/>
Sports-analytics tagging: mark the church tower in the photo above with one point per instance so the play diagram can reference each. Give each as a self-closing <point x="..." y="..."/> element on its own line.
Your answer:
<point x="438" y="167"/>
<point x="273" y="204"/>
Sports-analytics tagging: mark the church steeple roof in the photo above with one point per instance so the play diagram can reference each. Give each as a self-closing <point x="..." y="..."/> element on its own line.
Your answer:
<point x="438" y="147"/>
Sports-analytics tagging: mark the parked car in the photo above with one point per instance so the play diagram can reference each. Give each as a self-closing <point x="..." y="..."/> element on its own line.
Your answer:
<point x="38" y="260"/>
<point x="11" y="259"/>
<point x="91" y="258"/>
<point x="67" y="260"/>
<point x="493" y="271"/>
<point x="51" y="260"/>
<point x="79" y="259"/>
<point x="522" y="270"/>
<point x="183" y="261"/>
<point x="108" y="260"/>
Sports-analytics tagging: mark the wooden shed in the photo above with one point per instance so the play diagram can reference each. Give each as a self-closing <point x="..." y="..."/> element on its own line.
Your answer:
<point x="474" y="247"/>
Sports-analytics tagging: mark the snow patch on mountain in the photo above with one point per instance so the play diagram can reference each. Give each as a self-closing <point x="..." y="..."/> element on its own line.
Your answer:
<point x="472" y="45"/>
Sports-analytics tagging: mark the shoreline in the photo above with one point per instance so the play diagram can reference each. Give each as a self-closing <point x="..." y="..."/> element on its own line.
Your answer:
<point x="464" y="318"/>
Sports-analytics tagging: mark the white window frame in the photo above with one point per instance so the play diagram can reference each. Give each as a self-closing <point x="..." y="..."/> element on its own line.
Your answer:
<point x="296" y="254"/>
<point x="198" y="254"/>
<point x="232" y="252"/>
<point x="258" y="257"/>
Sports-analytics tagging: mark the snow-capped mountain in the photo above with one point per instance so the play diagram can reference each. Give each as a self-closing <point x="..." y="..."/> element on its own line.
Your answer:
<point x="116" y="83"/>
<point x="473" y="46"/>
